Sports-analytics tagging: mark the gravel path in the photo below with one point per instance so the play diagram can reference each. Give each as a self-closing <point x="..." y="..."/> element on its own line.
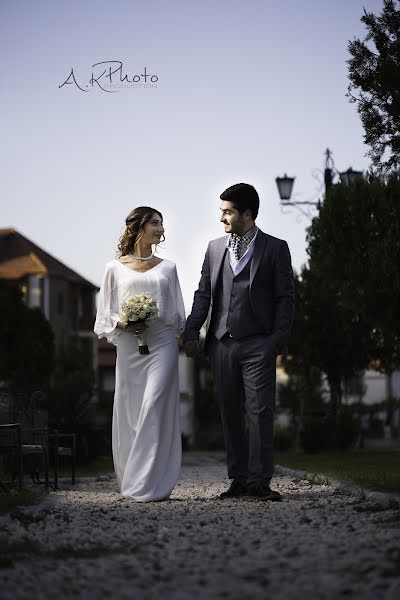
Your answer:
<point x="89" y="542"/>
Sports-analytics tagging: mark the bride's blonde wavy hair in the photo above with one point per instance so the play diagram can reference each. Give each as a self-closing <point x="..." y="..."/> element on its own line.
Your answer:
<point x="135" y="222"/>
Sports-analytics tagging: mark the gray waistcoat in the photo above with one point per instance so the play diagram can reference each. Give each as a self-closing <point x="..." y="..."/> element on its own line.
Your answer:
<point x="232" y="311"/>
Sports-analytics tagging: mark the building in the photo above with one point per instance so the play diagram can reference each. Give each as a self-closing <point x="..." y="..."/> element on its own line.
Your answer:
<point x="66" y="298"/>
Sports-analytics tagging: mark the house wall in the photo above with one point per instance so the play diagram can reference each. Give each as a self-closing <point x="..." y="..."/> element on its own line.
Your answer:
<point x="71" y="309"/>
<point x="376" y="388"/>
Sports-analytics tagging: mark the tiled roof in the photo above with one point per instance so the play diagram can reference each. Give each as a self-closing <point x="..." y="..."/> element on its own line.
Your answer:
<point x="15" y="268"/>
<point x="19" y="256"/>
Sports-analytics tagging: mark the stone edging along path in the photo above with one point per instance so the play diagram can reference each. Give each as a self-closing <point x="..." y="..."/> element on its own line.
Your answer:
<point x="347" y="488"/>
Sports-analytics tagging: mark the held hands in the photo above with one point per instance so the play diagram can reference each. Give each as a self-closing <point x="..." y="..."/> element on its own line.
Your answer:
<point x="191" y="348"/>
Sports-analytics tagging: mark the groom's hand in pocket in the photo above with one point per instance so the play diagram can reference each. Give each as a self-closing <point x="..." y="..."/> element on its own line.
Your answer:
<point x="191" y="348"/>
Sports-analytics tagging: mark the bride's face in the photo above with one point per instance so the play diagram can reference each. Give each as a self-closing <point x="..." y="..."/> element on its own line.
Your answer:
<point x="153" y="230"/>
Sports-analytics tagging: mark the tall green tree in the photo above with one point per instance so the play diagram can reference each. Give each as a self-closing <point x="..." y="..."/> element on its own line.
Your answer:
<point x="26" y="343"/>
<point x="366" y="219"/>
<point x="303" y="391"/>
<point x="336" y="335"/>
<point x="353" y="280"/>
<point x="374" y="73"/>
<point x="72" y="387"/>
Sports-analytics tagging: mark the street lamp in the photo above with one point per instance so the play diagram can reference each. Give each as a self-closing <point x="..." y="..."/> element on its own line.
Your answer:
<point x="350" y="176"/>
<point x="285" y="184"/>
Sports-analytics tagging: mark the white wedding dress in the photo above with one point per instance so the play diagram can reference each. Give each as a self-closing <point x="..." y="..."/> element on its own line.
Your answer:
<point x="146" y="437"/>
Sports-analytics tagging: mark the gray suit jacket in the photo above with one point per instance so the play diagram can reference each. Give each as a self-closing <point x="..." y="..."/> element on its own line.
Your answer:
<point x="271" y="288"/>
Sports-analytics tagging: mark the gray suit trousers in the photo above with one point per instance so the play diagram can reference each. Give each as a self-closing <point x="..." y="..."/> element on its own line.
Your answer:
<point x="244" y="374"/>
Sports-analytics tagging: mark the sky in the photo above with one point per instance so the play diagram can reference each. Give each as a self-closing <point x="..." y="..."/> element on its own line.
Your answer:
<point x="241" y="91"/>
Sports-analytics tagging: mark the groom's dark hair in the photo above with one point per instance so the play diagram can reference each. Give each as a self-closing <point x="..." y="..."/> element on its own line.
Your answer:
<point x="243" y="197"/>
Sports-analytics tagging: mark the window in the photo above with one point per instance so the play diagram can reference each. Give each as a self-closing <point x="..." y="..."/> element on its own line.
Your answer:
<point x="34" y="292"/>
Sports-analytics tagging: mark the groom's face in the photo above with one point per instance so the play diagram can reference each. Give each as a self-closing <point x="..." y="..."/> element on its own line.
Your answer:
<point x="231" y="218"/>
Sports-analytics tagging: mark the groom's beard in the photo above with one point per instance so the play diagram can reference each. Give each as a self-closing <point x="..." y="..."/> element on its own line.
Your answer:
<point x="237" y="227"/>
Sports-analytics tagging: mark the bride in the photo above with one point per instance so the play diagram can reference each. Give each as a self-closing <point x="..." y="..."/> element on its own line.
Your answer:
<point x="146" y="437"/>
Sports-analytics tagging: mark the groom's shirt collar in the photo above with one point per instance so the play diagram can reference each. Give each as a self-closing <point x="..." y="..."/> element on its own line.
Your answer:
<point x="247" y="242"/>
<point x="239" y="243"/>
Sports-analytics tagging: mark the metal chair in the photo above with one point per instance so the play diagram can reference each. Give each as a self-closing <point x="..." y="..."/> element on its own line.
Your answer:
<point x="17" y="444"/>
<point x="25" y="441"/>
<point x="56" y="439"/>
<point x="62" y="450"/>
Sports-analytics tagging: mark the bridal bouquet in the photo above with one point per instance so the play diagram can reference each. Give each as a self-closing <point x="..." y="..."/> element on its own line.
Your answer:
<point x="139" y="309"/>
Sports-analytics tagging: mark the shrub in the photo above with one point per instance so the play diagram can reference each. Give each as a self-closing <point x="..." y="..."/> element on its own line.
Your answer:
<point x="312" y="434"/>
<point x="346" y="430"/>
<point x="283" y="438"/>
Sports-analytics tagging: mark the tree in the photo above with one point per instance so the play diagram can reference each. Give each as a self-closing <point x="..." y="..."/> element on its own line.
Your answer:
<point x="352" y="285"/>
<point x="366" y="222"/>
<point x="336" y="335"/>
<point x="70" y="396"/>
<point x="26" y="343"/>
<point x="303" y="391"/>
<point x="374" y="73"/>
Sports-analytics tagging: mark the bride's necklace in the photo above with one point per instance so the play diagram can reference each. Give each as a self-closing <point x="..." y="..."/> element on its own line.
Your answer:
<point x="141" y="257"/>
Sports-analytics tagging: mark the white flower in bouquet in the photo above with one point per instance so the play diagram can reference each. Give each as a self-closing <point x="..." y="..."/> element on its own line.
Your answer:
<point x="141" y="307"/>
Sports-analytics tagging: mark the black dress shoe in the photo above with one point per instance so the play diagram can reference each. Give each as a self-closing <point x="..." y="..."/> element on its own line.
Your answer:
<point x="236" y="489"/>
<point x="261" y="489"/>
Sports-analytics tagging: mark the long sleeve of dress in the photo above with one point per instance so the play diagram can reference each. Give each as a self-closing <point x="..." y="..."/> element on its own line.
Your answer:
<point x="108" y="309"/>
<point x="180" y="307"/>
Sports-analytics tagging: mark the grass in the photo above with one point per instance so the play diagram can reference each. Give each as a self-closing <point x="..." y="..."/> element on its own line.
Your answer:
<point x="375" y="470"/>
<point x="99" y="466"/>
<point x="9" y="501"/>
<point x="103" y="465"/>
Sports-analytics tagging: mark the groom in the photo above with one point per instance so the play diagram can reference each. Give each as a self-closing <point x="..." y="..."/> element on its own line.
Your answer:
<point x="246" y="289"/>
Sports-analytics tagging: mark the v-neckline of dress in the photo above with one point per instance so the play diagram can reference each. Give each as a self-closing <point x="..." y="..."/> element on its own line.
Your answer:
<point x="140" y="272"/>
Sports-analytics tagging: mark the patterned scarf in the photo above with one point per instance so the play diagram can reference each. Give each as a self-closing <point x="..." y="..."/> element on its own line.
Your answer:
<point x="240" y="243"/>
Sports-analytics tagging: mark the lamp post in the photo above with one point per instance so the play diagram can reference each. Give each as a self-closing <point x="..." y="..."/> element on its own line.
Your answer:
<point x="330" y="177"/>
<point x="350" y="176"/>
